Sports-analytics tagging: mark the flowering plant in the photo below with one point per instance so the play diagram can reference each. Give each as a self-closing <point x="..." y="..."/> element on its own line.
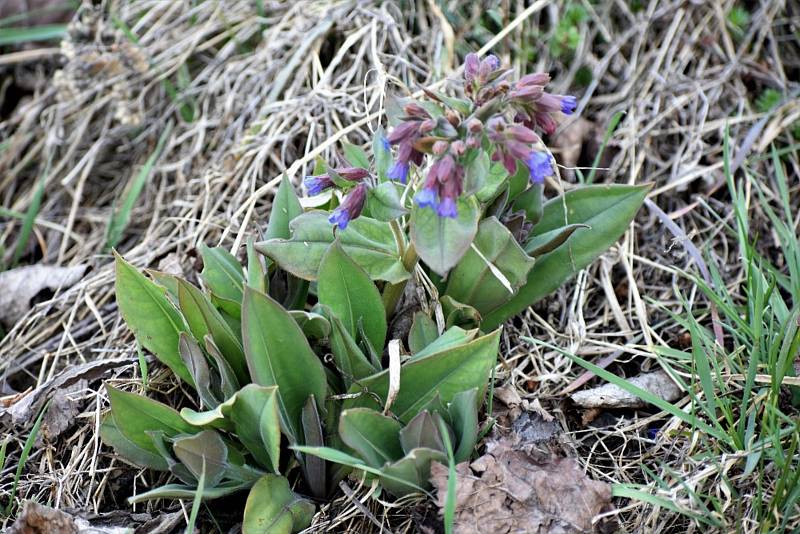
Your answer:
<point x="299" y="384"/>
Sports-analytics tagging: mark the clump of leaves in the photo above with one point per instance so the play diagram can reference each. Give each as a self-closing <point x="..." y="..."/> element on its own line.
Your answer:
<point x="297" y="382"/>
<point x="567" y="35"/>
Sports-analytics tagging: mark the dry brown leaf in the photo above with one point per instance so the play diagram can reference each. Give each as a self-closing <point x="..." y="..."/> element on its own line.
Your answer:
<point x="519" y="490"/>
<point x="19" y="287"/>
<point x="39" y="519"/>
<point x="611" y="396"/>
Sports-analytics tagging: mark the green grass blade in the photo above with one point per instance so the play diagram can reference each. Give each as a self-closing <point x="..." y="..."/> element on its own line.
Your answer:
<point x="612" y="126"/>
<point x="452" y="480"/>
<point x="120" y="218"/>
<point x="198" y="498"/>
<point x="27" y="223"/>
<point x="23" y="458"/>
<point x="45" y="32"/>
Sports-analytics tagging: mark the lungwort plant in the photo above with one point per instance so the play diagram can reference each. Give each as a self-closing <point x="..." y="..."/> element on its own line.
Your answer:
<point x="302" y="370"/>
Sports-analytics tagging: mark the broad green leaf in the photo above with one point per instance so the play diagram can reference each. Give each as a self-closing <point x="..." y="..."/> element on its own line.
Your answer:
<point x="136" y="415"/>
<point x="285" y="207"/>
<point x="204" y="319"/>
<point x="351" y="295"/>
<point x="476" y="173"/>
<point x="150" y="315"/>
<point x="441" y="241"/>
<point x="194" y="359"/>
<point x="422" y="431"/>
<point x="452" y="337"/>
<point x="273" y="508"/>
<point x="491" y="270"/>
<point x="278" y="354"/>
<point x="608" y="209"/>
<point x="493" y="184"/>
<point x="168" y="281"/>
<point x="382" y="153"/>
<point x="459" y="314"/>
<point x="368" y="242"/>
<point x="446" y="373"/>
<point x="410" y="473"/>
<point x="222" y="274"/>
<point x="423" y="332"/>
<point x="130" y="451"/>
<point x="349" y="358"/>
<point x="539" y="245"/>
<point x="204" y="451"/>
<point x="372" y="435"/>
<point x="531" y="202"/>
<point x="463" y="411"/>
<point x="175" y="466"/>
<point x="355" y="155"/>
<point x="385" y="203"/>
<point x="314" y="467"/>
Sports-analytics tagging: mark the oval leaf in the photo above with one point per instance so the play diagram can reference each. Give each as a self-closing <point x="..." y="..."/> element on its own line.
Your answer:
<point x="204" y="452"/>
<point x="278" y="354"/>
<point x="150" y="315"/>
<point x="384" y="202"/>
<point x="272" y="507"/>
<point x="375" y="437"/>
<point x="350" y="294"/>
<point x="441" y="241"/>
<point x="285" y="207"/>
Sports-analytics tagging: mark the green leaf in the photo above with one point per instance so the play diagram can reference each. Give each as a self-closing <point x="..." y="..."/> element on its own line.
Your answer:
<point x="452" y="337"/>
<point x="368" y="242"/>
<point x="422" y="431"/>
<point x="26" y="34"/>
<point x="349" y="358"/>
<point x="463" y="411"/>
<point x="204" y="319"/>
<point x="285" y="207"/>
<point x="381" y="153"/>
<point x="476" y="173"/>
<point x="447" y="373"/>
<point x="410" y="473"/>
<point x="130" y="451"/>
<point x="313" y="324"/>
<point x="351" y="295"/>
<point x="278" y="354"/>
<point x="194" y="359"/>
<point x="179" y="491"/>
<point x="203" y="452"/>
<point x="531" y="202"/>
<point x="493" y="183"/>
<point x="423" y="332"/>
<point x="273" y="508"/>
<point x="152" y="317"/>
<point x="222" y="273"/>
<point x="459" y="314"/>
<point x="355" y="155"/>
<point x="256" y="273"/>
<point x="385" y="203"/>
<point x="441" y="241"/>
<point x="372" y="435"/>
<point x="252" y="414"/>
<point x="229" y="384"/>
<point x="136" y="415"/>
<point x="608" y="209"/>
<point x="313" y="436"/>
<point x="539" y="245"/>
<point x="492" y="270"/>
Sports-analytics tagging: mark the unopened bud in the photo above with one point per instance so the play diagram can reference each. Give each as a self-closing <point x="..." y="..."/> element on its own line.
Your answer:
<point x="457" y="147"/>
<point x="427" y="126"/>
<point x="452" y="117"/>
<point x="440" y="147"/>
<point x="474" y="126"/>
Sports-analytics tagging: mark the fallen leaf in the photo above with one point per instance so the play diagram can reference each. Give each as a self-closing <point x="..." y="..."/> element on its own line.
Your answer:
<point x="39" y="519"/>
<point x="36" y="518"/>
<point x="522" y="490"/>
<point x="19" y="287"/>
<point x="612" y="396"/>
<point x="531" y="428"/>
<point x="508" y="395"/>
<point x="63" y="409"/>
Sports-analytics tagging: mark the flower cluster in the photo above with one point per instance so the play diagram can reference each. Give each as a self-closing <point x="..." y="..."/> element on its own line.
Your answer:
<point x="353" y="202"/>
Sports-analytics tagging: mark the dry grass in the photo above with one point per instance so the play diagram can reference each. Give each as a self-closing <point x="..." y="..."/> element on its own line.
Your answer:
<point x="258" y="96"/>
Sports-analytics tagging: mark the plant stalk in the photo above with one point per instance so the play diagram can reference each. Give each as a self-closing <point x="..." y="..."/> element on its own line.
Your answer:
<point x="393" y="292"/>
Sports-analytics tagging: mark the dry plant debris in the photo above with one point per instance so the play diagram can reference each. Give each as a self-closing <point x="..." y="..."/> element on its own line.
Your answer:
<point x="515" y="490"/>
<point x="612" y="396"/>
<point x="19" y="287"/>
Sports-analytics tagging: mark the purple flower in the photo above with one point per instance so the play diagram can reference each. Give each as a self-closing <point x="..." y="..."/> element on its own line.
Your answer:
<point x="351" y="207"/>
<point x="492" y="62"/>
<point x="398" y="171"/>
<point x="426" y="197"/>
<point x="471" y="66"/>
<point x="568" y="104"/>
<point x="317" y="184"/>
<point x="447" y="208"/>
<point x="540" y="166"/>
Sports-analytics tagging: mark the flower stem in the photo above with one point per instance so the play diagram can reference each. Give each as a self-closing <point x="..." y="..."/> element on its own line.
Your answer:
<point x="393" y="292"/>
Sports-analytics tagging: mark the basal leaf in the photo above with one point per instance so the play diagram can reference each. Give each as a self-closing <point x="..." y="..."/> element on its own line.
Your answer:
<point x="272" y="507"/>
<point x="422" y="431"/>
<point x="441" y="241"/>
<point x="351" y="295"/>
<point x="150" y="315"/>
<point x="194" y="359"/>
<point x="348" y="356"/>
<point x="372" y="435"/>
<point x="411" y="473"/>
<point x="203" y="452"/>
<point x="463" y="412"/>
<point x="278" y="354"/>
<point x="256" y="273"/>
<point x="370" y="243"/>
<point x="130" y="451"/>
<point x="222" y="274"/>
<point x="285" y="207"/>
<point x="447" y="373"/>
<point x="180" y="491"/>
<point x="607" y="209"/>
<point x="204" y="319"/>
<point x="256" y="420"/>
<point x="314" y="436"/>
<point x="423" y="332"/>
<point x="452" y="337"/>
<point x="539" y="245"/>
<point x="491" y="271"/>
